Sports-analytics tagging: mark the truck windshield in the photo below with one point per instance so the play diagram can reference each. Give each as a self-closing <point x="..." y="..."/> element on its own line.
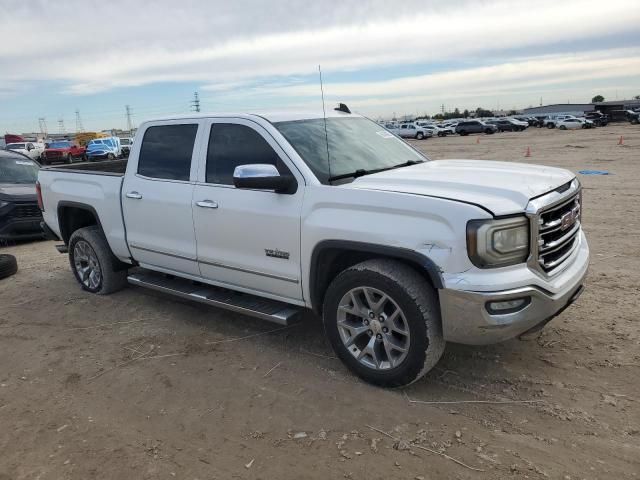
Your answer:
<point x="355" y="144"/>
<point x="14" y="170"/>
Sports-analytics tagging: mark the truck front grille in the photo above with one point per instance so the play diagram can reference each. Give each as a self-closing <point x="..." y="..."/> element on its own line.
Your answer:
<point x="558" y="232"/>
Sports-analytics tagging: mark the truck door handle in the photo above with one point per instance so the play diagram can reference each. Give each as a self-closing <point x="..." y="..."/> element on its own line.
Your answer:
<point x="207" y="204"/>
<point x="135" y="195"/>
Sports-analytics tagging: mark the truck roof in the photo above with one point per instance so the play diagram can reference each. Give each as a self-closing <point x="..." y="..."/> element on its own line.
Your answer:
<point x="271" y="116"/>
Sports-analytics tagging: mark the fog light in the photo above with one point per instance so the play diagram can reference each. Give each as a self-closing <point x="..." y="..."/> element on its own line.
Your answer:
<point x="507" y="306"/>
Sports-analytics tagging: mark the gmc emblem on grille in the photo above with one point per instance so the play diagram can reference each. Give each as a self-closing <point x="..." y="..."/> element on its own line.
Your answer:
<point x="568" y="219"/>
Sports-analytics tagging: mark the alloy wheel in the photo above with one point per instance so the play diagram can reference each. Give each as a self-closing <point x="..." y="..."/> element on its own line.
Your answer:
<point x="87" y="265"/>
<point x="373" y="328"/>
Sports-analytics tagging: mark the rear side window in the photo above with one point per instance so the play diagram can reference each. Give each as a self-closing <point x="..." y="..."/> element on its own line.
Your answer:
<point x="231" y="145"/>
<point x="166" y="151"/>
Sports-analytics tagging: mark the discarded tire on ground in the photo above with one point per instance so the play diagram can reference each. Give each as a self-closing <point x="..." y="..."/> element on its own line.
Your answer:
<point x="8" y="266"/>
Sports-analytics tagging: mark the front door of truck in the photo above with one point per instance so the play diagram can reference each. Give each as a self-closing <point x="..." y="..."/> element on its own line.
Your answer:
<point x="157" y="196"/>
<point x="248" y="239"/>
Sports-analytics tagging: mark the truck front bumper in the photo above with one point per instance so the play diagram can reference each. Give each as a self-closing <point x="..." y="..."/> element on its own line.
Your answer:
<point x="471" y="317"/>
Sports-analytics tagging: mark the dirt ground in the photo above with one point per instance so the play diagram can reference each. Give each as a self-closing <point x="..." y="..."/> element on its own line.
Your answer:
<point x="220" y="396"/>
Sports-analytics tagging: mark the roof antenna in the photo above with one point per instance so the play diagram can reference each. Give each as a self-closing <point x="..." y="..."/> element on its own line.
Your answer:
<point x="324" y="116"/>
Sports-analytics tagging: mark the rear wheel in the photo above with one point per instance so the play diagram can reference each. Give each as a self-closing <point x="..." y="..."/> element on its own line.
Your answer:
<point x="550" y="125"/>
<point x="111" y="156"/>
<point x="95" y="267"/>
<point x="463" y="133"/>
<point x="383" y="321"/>
<point x="562" y="127"/>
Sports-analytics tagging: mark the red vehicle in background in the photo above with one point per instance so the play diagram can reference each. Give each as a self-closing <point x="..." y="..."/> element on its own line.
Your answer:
<point x="63" y="151"/>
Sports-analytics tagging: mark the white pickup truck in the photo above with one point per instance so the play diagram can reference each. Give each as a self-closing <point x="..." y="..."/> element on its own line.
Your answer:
<point x="272" y="214"/>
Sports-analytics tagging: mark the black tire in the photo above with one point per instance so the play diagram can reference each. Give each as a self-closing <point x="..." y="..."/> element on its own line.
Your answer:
<point x="488" y="131"/>
<point x="550" y="125"/>
<point x="113" y="272"/>
<point x="463" y="133"/>
<point x="84" y="157"/>
<point x="8" y="266"/>
<point x="69" y="159"/>
<point x="111" y="156"/>
<point x="419" y="136"/>
<point x="419" y="303"/>
<point x="562" y="127"/>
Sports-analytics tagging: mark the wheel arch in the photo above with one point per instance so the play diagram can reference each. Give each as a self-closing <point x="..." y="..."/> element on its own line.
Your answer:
<point x="73" y="216"/>
<point x="330" y="257"/>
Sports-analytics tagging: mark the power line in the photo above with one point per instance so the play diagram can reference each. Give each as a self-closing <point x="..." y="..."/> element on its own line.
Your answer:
<point x="79" y="127"/>
<point x="195" y="103"/>
<point x="43" y="126"/>
<point x="129" y="124"/>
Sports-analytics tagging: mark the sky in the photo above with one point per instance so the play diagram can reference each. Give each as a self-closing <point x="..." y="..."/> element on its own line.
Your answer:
<point x="382" y="58"/>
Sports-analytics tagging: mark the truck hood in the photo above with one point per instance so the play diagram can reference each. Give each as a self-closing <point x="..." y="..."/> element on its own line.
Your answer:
<point x="500" y="187"/>
<point x="17" y="192"/>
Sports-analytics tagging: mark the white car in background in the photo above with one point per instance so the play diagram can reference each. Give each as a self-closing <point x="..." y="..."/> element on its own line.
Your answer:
<point x="33" y="150"/>
<point x="448" y="127"/>
<point x="522" y="123"/>
<point x="409" y="130"/>
<point x="434" y="129"/>
<point x="571" y="124"/>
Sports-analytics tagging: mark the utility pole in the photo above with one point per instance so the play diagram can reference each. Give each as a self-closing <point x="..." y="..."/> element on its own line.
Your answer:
<point x="79" y="127"/>
<point x="195" y="103"/>
<point x="61" y="128"/>
<point x="129" y="124"/>
<point x="43" y="126"/>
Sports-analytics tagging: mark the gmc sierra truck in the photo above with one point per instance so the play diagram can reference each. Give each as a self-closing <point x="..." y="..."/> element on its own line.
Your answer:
<point x="272" y="214"/>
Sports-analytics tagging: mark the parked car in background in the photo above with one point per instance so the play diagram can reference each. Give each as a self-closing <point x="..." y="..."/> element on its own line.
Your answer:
<point x="125" y="144"/>
<point x="448" y="127"/>
<point x="522" y="123"/>
<point x="599" y="119"/>
<point x="396" y="253"/>
<point x="409" y="130"/>
<point x="552" y="121"/>
<point x="20" y="215"/>
<point x="434" y="129"/>
<point x="33" y="150"/>
<point x="506" y="125"/>
<point x="570" y="124"/>
<point x="103" y="149"/>
<point x="475" y="126"/>
<point x="63" y="151"/>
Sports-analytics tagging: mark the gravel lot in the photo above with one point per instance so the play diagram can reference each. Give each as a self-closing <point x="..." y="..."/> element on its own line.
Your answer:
<point x="218" y="396"/>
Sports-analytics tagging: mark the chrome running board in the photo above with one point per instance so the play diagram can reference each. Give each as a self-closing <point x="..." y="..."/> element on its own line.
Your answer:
<point x="247" y="304"/>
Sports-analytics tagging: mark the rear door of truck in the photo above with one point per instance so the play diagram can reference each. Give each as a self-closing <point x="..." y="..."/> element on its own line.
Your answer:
<point x="157" y="196"/>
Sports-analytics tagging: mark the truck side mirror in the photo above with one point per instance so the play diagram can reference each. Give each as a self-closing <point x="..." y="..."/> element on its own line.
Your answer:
<point x="260" y="176"/>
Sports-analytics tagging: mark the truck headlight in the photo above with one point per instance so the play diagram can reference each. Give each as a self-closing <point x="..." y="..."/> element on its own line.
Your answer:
<point x="498" y="243"/>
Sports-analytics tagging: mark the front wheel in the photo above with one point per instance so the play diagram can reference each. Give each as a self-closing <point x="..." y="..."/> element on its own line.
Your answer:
<point x="69" y="159"/>
<point x="383" y="321"/>
<point x="111" y="156"/>
<point x="463" y="133"/>
<point x="95" y="267"/>
<point x="562" y="127"/>
<point x="419" y="136"/>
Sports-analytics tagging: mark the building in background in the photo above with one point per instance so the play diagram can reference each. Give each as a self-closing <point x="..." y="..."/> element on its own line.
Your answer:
<point x="613" y="108"/>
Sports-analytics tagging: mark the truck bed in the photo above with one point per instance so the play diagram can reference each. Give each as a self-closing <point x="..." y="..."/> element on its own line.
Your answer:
<point x="108" y="167"/>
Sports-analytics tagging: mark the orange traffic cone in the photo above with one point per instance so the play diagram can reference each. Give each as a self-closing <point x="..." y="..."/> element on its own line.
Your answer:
<point x="477" y="140"/>
<point x="621" y="141"/>
<point x="528" y="154"/>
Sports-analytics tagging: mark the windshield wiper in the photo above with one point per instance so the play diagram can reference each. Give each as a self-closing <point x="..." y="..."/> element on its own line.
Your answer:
<point x="361" y="171"/>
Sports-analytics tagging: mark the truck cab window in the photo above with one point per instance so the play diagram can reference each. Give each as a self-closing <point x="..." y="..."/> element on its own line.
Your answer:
<point x="231" y="145"/>
<point x="166" y="151"/>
